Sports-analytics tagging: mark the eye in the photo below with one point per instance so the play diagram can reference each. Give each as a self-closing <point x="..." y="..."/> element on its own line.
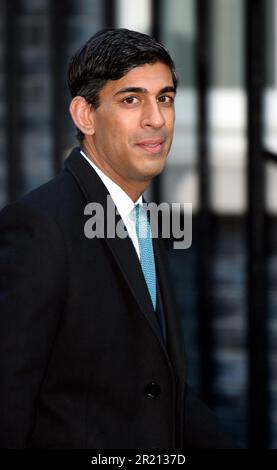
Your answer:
<point x="166" y="99"/>
<point x="130" y="100"/>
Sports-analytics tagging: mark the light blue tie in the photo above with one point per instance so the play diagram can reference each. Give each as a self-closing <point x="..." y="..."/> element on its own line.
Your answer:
<point x="147" y="259"/>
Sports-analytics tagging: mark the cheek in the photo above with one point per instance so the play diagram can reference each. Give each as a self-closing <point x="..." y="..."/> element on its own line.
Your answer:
<point x="122" y="136"/>
<point x="117" y="125"/>
<point x="125" y="124"/>
<point x="171" y="120"/>
<point x="106" y="132"/>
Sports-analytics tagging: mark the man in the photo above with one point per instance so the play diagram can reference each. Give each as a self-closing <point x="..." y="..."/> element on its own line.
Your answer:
<point x="90" y="345"/>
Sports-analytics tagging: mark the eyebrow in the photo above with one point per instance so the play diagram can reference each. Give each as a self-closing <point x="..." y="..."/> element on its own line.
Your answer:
<point x="134" y="89"/>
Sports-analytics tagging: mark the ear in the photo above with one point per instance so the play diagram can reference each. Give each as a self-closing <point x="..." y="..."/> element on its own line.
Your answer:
<point x="82" y="115"/>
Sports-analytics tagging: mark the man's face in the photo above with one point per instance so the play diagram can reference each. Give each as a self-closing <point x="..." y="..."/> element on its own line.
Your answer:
<point x="133" y="125"/>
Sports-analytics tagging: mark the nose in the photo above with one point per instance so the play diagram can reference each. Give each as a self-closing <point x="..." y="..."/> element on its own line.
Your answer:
<point x="152" y="116"/>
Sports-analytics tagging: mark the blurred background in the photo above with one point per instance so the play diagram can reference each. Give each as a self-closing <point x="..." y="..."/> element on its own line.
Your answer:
<point x="223" y="160"/>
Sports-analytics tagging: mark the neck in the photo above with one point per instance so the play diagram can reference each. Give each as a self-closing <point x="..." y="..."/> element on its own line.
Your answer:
<point x="134" y="189"/>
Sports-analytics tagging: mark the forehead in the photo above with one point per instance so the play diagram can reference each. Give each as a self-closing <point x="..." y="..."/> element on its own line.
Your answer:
<point x="152" y="77"/>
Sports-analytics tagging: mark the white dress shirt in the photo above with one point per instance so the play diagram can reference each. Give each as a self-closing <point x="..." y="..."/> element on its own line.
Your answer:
<point x="122" y="201"/>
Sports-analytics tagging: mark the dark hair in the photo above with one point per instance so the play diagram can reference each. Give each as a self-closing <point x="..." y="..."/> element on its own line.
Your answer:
<point x="109" y="55"/>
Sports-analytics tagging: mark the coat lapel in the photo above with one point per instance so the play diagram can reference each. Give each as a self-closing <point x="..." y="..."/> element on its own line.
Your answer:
<point x="175" y="343"/>
<point x="122" y="250"/>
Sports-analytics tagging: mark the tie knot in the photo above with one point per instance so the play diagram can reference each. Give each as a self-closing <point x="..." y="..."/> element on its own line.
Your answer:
<point x="142" y="225"/>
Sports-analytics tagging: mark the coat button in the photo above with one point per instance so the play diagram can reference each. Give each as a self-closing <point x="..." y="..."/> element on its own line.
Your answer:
<point x="153" y="390"/>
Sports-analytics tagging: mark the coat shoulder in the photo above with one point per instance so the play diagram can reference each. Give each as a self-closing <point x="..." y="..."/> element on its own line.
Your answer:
<point x="57" y="194"/>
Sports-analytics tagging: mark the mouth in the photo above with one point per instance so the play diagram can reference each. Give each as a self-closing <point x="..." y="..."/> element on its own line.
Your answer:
<point x="151" y="145"/>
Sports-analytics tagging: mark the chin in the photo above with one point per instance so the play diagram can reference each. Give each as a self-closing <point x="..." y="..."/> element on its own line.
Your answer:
<point x="152" y="172"/>
<point x="158" y="166"/>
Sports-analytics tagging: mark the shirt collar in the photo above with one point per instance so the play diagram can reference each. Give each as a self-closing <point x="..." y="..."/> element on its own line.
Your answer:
<point x="121" y="199"/>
